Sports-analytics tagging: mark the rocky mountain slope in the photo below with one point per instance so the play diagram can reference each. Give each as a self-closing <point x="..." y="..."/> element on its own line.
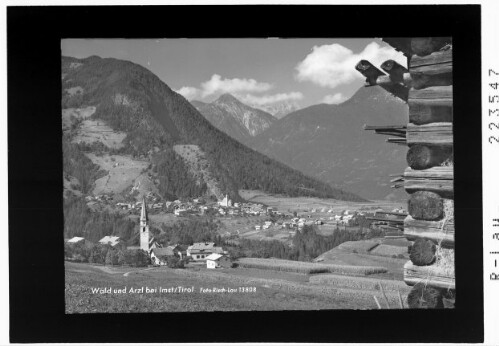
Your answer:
<point x="281" y="109"/>
<point x="235" y="118"/>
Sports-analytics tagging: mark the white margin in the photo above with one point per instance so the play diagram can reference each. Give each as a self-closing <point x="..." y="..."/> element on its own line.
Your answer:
<point x="490" y="152"/>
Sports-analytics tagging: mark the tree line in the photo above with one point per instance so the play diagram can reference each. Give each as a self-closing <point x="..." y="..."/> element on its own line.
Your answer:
<point x="189" y="232"/>
<point x="307" y="244"/>
<point x="80" y="221"/>
<point x="105" y="254"/>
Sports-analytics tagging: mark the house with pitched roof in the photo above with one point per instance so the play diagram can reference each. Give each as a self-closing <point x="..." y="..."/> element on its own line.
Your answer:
<point x="79" y="240"/>
<point x="199" y="251"/>
<point x="111" y="240"/>
<point x="158" y="255"/>
<point x="216" y="260"/>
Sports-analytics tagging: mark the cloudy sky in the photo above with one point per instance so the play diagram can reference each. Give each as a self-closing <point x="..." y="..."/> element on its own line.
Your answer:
<point x="260" y="72"/>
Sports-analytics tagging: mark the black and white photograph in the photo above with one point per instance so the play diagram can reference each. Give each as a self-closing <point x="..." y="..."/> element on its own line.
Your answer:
<point x="251" y="173"/>
<point x="257" y="174"/>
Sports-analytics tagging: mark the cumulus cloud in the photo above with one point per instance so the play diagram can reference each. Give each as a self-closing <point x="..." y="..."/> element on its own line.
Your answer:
<point x="333" y="65"/>
<point x="244" y="89"/>
<point x="334" y="99"/>
<point x="269" y="99"/>
<point x="189" y="93"/>
<point x="217" y="85"/>
<point x="236" y="85"/>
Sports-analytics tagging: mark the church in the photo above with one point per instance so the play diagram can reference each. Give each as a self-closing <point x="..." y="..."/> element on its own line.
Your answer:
<point x="147" y="242"/>
<point x="225" y="202"/>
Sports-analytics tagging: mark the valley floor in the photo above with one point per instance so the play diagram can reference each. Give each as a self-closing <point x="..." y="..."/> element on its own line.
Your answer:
<point x="305" y="204"/>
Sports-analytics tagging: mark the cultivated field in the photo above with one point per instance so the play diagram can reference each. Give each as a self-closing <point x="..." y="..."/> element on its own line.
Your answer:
<point x="389" y="250"/>
<point x="350" y="255"/>
<point x="360" y="283"/>
<point x="308" y="267"/>
<point x="244" y="227"/>
<point x="72" y="114"/>
<point x="265" y="290"/>
<point x="123" y="172"/>
<point x="305" y="204"/>
<point x="361" y="246"/>
<point x="91" y="131"/>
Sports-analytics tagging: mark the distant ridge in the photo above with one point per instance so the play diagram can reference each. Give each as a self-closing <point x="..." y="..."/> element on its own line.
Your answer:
<point x="235" y="118"/>
<point x="328" y="142"/>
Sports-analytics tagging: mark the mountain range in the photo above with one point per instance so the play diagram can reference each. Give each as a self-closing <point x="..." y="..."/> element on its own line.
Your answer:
<point x="180" y="151"/>
<point x="328" y="142"/>
<point x="280" y="109"/>
<point x="235" y="118"/>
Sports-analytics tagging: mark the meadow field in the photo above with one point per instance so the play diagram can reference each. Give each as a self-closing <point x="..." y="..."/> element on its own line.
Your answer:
<point x="97" y="289"/>
<point x="305" y="204"/>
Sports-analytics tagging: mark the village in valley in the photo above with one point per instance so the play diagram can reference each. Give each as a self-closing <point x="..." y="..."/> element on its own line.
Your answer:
<point x="357" y="269"/>
<point x="261" y="222"/>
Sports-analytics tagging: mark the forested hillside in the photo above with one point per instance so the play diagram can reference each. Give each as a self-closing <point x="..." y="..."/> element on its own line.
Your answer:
<point x="133" y="100"/>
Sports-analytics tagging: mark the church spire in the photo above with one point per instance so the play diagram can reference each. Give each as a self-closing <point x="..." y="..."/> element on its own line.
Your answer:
<point x="143" y="213"/>
<point x="144" y="228"/>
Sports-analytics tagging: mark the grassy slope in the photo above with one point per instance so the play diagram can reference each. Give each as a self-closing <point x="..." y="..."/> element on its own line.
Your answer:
<point x="80" y="278"/>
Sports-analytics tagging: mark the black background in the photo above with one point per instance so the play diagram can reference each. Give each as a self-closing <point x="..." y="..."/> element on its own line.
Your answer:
<point x="35" y="172"/>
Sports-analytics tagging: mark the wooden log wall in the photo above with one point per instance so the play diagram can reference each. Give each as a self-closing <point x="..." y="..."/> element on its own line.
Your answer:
<point x="426" y="86"/>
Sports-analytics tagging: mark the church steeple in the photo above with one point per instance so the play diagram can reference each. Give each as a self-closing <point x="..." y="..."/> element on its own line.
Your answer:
<point x="143" y="213"/>
<point x="144" y="227"/>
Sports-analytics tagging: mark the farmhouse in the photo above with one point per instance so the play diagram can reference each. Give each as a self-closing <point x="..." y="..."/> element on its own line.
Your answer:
<point x="199" y="251"/>
<point x="79" y="240"/>
<point x="75" y="240"/>
<point x="216" y="260"/>
<point x="157" y="206"/>
<point x="180" y="212"/>
<point x="177" y="250"/>
<point x="110" y="240"/>
<point x="158" y="255"/>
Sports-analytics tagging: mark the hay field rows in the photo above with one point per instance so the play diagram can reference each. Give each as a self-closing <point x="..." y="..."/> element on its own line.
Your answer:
<point x="360" y="283"/>
<point x="308" y="267"/>
<point x="270" y="294"/>
<point x="91" y="131"/>
<point x="362" y="246"/>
